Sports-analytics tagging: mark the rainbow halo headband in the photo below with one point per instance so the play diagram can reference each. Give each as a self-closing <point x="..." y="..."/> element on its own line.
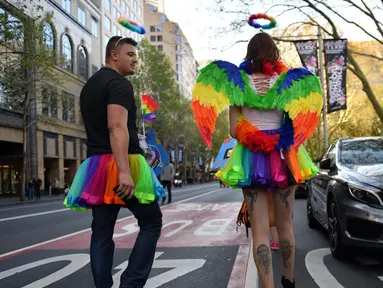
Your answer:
<point x="132" y="26"/>
<point x="252" y="21"/>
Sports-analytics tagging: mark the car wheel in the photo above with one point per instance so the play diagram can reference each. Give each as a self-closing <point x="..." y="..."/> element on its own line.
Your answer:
<point x="311" y="221"/>
<point x="338" y="250"/>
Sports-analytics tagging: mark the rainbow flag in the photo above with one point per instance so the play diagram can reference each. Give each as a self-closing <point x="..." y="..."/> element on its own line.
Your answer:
<point x="148" y="108"/>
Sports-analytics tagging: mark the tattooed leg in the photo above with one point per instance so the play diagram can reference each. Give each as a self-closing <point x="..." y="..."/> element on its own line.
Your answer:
<point x="251" y="196"/>
<point x="284" y="197"/>
<point x="264" y="258"/>
<point x="286" y="251"/>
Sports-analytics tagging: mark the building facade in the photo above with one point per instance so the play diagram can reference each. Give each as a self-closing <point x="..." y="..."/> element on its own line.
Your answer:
<point x="57" y="137"/>
<point x="168" y="37"/>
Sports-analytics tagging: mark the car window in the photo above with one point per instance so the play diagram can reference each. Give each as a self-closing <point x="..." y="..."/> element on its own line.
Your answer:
<point x="326" y="154"/>
<point x="361" y="152"/>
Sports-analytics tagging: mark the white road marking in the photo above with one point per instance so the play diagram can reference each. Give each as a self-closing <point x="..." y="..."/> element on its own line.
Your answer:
<point x="380" y="278"/>
<point x="319" y="271"/>
<point x="88" y="229"/>
<point x="34" y="214"/>
<point x="252" y="278"/>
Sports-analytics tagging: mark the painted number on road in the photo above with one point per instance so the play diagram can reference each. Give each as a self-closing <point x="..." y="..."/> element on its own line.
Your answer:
<point x="77" y="261"/>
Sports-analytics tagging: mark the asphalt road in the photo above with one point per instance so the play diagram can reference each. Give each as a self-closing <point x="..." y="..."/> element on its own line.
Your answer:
<point x="45" y="245"/>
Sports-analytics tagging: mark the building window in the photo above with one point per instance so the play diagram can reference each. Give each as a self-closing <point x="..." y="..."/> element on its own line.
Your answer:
<point x="160" y="48"/>
<point x="94" y="69"/>
<point x="114" y="12"/>
<point x="135" y="5"/>
<point x="119" y="32"/>
<point x="114" y="31"/>
<point x="68" y="107"/>
<point x="106" y="40"/>
<point x="178" y="47"/>
<point x="179" y="77"/>
<point x="159" y="38"/>
<point x="151" y="8"/>
<point x="140" y="11"/>
<point x="69" y="147"/>
<point x="83" y="62"/>
<point x="50" y="144"/>
<point x="49" y="101"/>
<point x="48" y="36"/>
<point x="153" y="38"/>
<point x="81" y="16"/>
<point x="107" y="5"/>
<point x="178" y="57"/>
<point x="94" y="27"/>
<point x="67" y="53"/>
<point x="163" y="18"/>
<point x="66" y="5"/>
<point x="107" y="23"/>
<point x="118" y="2"/>
<point x="180" y="87"/>
<point x="159" y="28"/>
<point x="124" y="8"/>
<point x="179" y="67"/>
<point x="178" y="38"/>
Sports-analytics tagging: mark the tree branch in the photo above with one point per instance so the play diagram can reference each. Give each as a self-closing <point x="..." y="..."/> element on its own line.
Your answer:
<point x="365" y="54"/>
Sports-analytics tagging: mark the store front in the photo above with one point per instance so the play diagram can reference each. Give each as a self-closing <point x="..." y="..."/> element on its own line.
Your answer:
<point x="11" y="162"/>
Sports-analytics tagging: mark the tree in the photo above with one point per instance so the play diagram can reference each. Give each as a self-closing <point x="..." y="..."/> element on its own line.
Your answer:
<point x="26" y="60"/>
<point x="325" y="13"/>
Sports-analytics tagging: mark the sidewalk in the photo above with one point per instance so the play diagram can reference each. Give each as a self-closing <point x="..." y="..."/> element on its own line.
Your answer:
<point x="11" y="201"/>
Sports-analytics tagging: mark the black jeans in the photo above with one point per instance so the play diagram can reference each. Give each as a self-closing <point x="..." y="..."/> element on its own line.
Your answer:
<point x="141" y="258"/>
<point x="167" y="184"/>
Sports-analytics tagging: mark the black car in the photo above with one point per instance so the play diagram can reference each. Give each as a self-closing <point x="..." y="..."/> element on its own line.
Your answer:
<point x="346" y="197"/>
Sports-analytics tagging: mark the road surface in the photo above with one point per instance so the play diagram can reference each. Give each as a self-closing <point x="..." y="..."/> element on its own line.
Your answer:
<point x="46" y="245"/>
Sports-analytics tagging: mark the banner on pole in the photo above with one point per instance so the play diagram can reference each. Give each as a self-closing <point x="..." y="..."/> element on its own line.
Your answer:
<point x="307" y="50"/>
<point x="157" y="158"/>
<point x="336" y="72"/>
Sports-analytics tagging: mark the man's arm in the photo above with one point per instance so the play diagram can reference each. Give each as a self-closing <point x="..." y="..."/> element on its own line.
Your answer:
<point x="119" y="136"/>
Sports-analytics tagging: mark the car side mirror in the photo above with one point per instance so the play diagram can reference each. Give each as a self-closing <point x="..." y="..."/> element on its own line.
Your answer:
<point x="325" y="164"/>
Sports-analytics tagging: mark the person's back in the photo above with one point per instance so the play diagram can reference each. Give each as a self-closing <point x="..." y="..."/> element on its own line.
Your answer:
<point x="115" y="173"/>
<point x="94" y="100"/>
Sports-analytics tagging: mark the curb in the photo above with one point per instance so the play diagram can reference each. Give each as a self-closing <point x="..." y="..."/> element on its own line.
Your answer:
<point x="27" y="202"/>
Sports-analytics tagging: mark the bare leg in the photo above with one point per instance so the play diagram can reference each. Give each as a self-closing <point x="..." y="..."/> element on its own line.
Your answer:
<point x="273" y="233"/>
<point x="256" y="201"/>
<point x="273" y="229"/>
<point x="284" y="206"/>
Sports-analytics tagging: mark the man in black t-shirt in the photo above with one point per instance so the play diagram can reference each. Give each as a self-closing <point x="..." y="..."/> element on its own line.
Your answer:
<point x="109" y="114"/>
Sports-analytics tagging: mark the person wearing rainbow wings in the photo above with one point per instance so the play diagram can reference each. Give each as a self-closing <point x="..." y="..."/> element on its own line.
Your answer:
<point x="116" y="174"/>
<point x="274" y="109"/>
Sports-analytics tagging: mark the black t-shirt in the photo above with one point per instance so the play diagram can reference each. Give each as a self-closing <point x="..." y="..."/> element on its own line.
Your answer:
<point x="105" y="87"/>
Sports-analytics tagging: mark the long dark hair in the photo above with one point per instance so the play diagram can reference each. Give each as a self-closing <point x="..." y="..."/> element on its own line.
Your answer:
<point x="262" y="48"/>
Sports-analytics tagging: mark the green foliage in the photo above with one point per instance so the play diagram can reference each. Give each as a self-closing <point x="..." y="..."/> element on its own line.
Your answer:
<point x="26" y="57"/>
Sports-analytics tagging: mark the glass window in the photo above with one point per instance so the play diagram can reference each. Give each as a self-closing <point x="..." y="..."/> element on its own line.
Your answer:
<point x="160" y="48"/>
<point x="48" y="36"/>
<point x="163" y="17"/>
<point x="114" y="30"/>
<point x="135" y="5"/>
<point x="124" y="6"/>
<point x="178" y="48"/>
<point x="152" y="28"/>
<point x="107" y="5"/>
<point x="49" y="101"/>
<point x="68" y="107"/>
<point x="114" y="12"/>
<point x="118" y="14"/>
<point x="67" y="53"/>
<point x="179" y="67"/>
<point x="118" y="2"/>
<point x="94" y="27"/>
<point x="119" y="32"/>
<point x="178" y="38"/>
<point x="159" y="28"/>
<point x="66" y="5"/>
<point x="180" y="87"/>
<point x="107" y="23"/>
<point x="179" y="77"/>
<point x="83" y="63"/>
<point x="178" y="57"/>
<point x="151" y="8"/>
<point x="106" y="40"/>
<point x="81" y="16"/>
<point x="159" y="38"/>
<point x="140" y="11"/>
<point x="153" y="38"/>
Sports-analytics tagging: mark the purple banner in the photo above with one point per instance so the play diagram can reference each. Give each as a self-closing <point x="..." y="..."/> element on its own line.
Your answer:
<point x="307" y="50"/>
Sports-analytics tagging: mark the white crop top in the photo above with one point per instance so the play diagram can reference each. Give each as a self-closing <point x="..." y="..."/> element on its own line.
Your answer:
<point x="266" y="119"/>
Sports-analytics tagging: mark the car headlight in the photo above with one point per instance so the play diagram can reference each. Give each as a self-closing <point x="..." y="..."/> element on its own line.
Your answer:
<point x="364" y="196"/>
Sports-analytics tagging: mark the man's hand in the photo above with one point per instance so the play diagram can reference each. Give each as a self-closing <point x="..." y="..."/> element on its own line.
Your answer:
<point x="126" y="186"/>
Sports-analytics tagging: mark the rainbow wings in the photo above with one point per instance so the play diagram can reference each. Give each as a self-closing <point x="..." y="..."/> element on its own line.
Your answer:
<point x="221" y="84"/>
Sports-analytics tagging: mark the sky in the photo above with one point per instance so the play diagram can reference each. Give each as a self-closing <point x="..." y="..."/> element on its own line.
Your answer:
<point x="200" y="22"/>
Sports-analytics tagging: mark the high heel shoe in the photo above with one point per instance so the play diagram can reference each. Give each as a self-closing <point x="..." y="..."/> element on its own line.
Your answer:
<point x="287" y="283"/>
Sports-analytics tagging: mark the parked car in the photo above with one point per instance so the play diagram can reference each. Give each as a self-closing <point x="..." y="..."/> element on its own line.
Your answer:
<point x="346" y="197"/>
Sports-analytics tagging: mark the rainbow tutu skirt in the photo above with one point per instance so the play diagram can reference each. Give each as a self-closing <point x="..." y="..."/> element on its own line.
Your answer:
<point x="97" y="176"/>
<point x="266" y="159"/>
